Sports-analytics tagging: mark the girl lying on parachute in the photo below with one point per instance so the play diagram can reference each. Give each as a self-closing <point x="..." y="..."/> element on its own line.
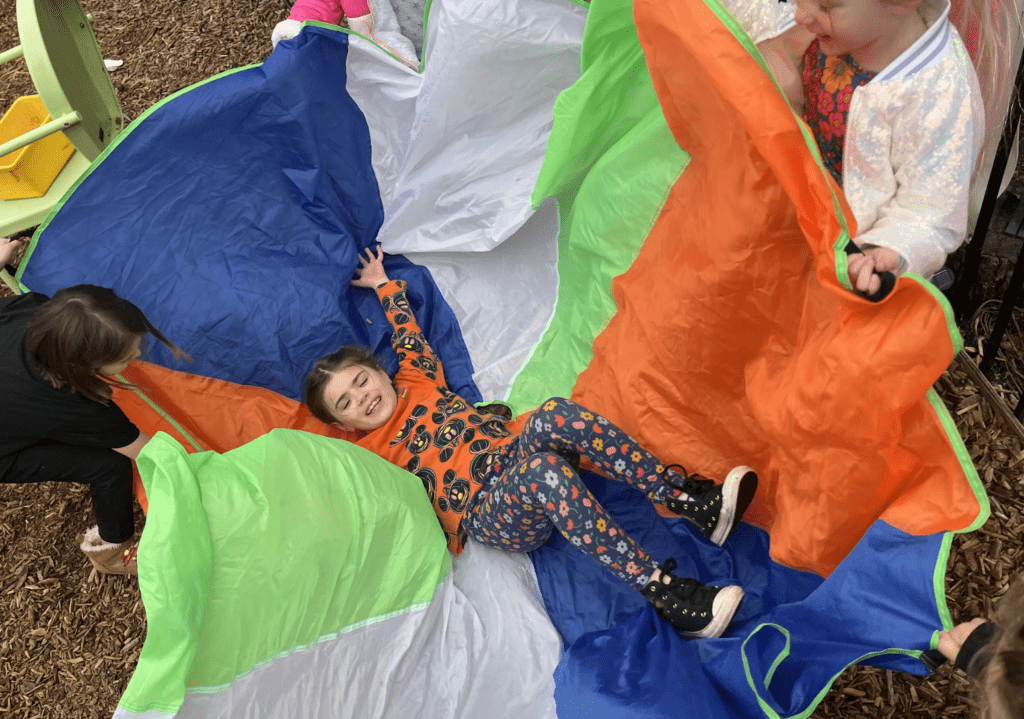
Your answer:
<point x="510" y="484"/>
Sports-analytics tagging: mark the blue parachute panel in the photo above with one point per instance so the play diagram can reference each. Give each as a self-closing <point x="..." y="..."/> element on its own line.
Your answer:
<point x="784" y="647"/>
<point x="242" y="205"/>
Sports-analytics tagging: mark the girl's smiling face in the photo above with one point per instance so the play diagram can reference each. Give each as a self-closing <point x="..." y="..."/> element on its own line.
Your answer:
<point x="360" y="397"/>
<point x="873" y="31"/>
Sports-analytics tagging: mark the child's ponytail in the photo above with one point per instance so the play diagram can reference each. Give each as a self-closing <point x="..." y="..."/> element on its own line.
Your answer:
<point x="83" y="328"/>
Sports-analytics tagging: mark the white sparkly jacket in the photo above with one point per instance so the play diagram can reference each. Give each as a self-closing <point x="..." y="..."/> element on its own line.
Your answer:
<point x="913" y="137"/>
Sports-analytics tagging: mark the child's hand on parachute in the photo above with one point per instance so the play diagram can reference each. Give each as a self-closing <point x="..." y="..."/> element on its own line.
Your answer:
<point x="951" y="642"/>
<point x="285" y="30"/>
<point x="865" y="266"/>
<point x="371" y="270"/>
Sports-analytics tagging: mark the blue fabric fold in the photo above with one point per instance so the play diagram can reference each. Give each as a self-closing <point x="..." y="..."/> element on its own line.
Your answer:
<point x="793" y="633"/>
<point x="233" y="214"/>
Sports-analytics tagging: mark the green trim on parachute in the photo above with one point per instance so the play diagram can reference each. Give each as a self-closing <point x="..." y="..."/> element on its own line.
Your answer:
<point x="220" y="558"/>
<point x="939" y="586"/>
<point x="939" y="576"/>
<point x="159" y="410"/>
<point x="423" y="49"/>
<point x="610" y="163"/>
<point x="947" y="310"/>
<point x="771" y="713"/>
<point x="346" y="31"/>
<point x="106" y="151"/>
<point x="778" y="660"/>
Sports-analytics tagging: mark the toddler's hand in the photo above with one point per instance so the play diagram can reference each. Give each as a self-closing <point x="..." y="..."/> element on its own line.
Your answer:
<point x="864" y="266"/>
<point x="371" y="270"/>
<point x="951" y="641"/>
<point x="285" y="30"/>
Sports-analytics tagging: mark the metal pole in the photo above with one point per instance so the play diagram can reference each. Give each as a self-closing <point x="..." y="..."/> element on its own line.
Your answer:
<point x="963" y="298"/>
<point x="13" y="53"/>
<point x="1005" y="313"/>
<point x="61" y="123"/>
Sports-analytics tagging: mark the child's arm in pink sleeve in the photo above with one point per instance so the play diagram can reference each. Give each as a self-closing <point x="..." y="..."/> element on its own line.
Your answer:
<point x="355" y="8"/>
<point x="328" y="11"/>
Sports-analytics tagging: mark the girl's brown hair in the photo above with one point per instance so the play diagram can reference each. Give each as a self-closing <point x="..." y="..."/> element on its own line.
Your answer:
<point x="1002" y="696"/>
<point x="83" y="328"/>
<point x="324" y="369"/>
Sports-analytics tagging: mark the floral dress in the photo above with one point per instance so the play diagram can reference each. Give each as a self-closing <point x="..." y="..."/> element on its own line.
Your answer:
<point x="829" y="82"/>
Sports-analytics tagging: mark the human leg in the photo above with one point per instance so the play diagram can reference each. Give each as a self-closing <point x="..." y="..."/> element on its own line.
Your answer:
<point x="568" y="429"/>
<point x="108" y="474"/>
<point x="111" y="545"/>
<point x="543" y="492"/>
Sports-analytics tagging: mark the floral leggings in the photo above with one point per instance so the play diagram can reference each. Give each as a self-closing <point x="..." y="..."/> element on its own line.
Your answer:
<point x="534" y="489"/>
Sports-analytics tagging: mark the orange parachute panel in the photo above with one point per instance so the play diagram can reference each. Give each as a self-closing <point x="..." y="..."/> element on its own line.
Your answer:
<point x="207" y="414"/>
<point x="747" y="333"/>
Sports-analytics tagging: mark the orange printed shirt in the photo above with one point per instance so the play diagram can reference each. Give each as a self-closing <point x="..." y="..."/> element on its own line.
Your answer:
<point x="434" y="433"/>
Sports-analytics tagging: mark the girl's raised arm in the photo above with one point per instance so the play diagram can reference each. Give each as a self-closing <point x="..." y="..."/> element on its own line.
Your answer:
<point x="408" y="340"/>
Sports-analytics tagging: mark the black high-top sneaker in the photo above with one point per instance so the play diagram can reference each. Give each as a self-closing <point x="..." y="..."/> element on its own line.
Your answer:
<point x="693" y="609"/>
<point x="714" y="508"/>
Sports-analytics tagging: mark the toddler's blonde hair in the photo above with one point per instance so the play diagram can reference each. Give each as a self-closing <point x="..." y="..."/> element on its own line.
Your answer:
<point x="989" y="28"/>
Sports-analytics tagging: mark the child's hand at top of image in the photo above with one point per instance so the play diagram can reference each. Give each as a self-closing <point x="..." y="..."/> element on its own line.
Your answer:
<point x="865" y="266"/>
<point x="285" y="30"/>
<point x="371" y="270"/>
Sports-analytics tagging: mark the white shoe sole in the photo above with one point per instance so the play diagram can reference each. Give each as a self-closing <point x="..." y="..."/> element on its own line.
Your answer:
<point x="738" y="490"/>
<point x="723" y="608"/>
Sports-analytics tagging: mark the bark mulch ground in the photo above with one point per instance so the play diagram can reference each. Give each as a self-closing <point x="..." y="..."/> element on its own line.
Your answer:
<point x="70" y="639"/>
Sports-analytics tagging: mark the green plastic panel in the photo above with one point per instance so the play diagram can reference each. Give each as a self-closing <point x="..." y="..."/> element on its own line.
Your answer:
<point x="67" y="70"/>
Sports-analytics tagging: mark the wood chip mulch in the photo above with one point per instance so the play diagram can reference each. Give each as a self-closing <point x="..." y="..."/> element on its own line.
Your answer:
<point x="70" y="639"/>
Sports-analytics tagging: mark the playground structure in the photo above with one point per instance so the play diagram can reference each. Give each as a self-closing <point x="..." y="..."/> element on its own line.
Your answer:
<point x="64" y="60"/>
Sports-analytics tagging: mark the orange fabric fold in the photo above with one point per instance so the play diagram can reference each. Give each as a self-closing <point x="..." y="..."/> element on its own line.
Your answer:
<point x="753" y="352"/>
<point x="211" y="413"/>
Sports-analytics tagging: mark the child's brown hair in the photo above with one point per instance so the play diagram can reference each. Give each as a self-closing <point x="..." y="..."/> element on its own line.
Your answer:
<point x="324" y="369"/>
<point x="83" y="328"/>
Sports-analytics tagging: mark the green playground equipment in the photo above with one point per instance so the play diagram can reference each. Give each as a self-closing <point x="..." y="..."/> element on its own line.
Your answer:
<point x="67" y="70"/>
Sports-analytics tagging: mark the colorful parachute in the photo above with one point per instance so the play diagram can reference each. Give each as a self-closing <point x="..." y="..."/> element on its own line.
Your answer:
<point x="684" y="280"/>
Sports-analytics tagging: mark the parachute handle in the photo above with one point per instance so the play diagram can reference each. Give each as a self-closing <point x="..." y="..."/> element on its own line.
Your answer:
<point x="888" y="278"/>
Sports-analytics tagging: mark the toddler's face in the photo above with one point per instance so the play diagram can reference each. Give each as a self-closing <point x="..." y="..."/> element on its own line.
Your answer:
<point x="848" y="26"/>
<point x="361" y="397"/>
